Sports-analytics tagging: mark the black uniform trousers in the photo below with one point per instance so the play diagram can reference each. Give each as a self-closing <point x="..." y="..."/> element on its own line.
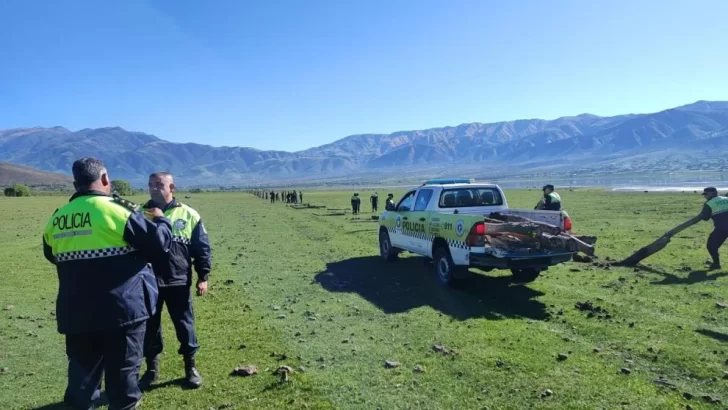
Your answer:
<point x="715" y="241"/>
<point x="179" y="305"/>
<point x="115" y="354"/>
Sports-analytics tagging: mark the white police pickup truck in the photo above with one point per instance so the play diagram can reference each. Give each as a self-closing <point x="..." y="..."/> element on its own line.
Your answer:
<point x="449" y="221"/>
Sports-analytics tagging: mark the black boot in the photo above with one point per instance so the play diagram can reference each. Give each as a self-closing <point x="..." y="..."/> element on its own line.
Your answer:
<point x="151" y="375"/>
<point x="192" y="376"/>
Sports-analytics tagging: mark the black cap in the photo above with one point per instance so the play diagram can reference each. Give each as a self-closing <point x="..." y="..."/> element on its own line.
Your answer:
<point x="710" y="190"/>
<point x="549" y="186"/>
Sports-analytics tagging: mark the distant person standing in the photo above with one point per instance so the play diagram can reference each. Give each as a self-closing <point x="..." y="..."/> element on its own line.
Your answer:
<point x="191" y="247"/>
<point x="272" y="197"/>
<point x="389" y="205"/>
<point x="551" y="201"/>
<point x="300" y="196"/>
<point x="715" y="207"/>
<point x="101" y="246"/>
<point x="355" y="203"/>
<point x="374" y="199"/>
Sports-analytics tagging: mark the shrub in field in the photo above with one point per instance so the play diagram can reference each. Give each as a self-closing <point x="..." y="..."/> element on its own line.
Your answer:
<point x="17" y="190"/>
<point x="121" y="187"/>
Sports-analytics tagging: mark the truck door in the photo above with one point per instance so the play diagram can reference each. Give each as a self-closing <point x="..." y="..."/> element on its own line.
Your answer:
<point x="419" y="220"/>
<point x="398" y="235"/>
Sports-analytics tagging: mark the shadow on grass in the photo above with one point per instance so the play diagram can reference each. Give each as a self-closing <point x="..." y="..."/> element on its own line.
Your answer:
<point x="54" y="406"/>
<point x="180" y="382"/>
<point x="693" y="277"/>
<point x="721" y="337"/>
<point x="409" y="283"/>
<point x="103" y="400"/>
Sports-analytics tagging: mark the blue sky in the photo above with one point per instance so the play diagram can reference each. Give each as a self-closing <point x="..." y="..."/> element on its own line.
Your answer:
<point x="289" y="75"/>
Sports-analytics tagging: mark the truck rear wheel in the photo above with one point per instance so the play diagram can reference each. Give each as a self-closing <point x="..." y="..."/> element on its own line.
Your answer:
<point x="386" y="250"/>
<point x="442" y="265"/>
<point x="525" y="275"/>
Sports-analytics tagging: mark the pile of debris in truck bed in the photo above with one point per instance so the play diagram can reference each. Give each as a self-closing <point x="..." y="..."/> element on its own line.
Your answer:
<point x="519" y="234"/>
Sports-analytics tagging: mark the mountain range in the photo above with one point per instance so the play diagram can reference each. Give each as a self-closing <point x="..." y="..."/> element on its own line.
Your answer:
<point x="510" y="147"/>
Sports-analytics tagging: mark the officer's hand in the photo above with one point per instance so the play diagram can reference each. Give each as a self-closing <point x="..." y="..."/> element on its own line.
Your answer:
<point x="153" y="212"/>
<point x="201" y="288"/>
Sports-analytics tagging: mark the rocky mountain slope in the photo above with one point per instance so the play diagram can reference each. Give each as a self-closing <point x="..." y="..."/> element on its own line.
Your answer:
<point x="701" y="127"/>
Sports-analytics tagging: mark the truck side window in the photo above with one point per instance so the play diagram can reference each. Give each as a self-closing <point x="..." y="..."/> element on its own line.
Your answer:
<point x="406" y="203"/>
<point x="423" y="198"/>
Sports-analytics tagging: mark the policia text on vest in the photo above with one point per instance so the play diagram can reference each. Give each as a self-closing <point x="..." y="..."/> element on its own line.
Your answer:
<point x="101" y="247"/>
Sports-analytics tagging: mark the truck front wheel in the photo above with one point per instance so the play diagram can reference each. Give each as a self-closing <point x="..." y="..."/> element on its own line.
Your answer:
<point x="525" y="275"/>
<point x="386" y="250"/>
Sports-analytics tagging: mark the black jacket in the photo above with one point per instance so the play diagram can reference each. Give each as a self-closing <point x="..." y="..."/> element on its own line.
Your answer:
<point x="175" y="268"/>
<point x="720" y="221"/>
<point x="114" y="291"/>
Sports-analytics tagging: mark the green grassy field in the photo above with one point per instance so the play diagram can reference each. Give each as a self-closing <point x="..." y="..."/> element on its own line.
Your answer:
<point x="310" y="292"/>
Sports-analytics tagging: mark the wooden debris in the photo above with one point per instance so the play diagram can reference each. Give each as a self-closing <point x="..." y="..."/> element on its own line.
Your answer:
<point x="567" y="241"/>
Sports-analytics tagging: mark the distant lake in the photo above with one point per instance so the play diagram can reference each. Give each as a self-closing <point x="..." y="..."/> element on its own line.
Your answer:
<point x="676" y="182"/>
<point x="633" y="182"/>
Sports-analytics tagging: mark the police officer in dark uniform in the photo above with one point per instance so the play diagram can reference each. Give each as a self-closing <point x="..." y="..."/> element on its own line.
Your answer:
<point x="551" y="201"/>
<point x="389" y="205"/>
<point x="374" y="199"/>
<point x="190" y="247"/>
<point x="715" y="207"/>
<point x="355" y="203"/>
<point x="101" y="246"/>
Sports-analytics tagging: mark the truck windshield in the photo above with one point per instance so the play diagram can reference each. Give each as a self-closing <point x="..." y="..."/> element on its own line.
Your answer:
<point x="470" y="197"/>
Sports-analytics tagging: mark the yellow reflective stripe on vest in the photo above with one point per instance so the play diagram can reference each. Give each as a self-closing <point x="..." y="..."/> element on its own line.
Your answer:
<point x="184" y="220"/>
<point x="718" y="205"/>
<point x="88" y="227"/>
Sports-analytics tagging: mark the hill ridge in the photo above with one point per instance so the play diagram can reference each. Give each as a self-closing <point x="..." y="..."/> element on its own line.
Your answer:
<point x="524" y="143"/>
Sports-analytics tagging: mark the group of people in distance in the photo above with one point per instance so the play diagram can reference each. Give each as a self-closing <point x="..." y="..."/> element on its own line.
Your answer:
<point x="373" y="200"/>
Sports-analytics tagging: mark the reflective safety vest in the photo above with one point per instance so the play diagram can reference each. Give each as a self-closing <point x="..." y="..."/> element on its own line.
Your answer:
<point x="103" y="281"/>
<point x="555" y="198"/>
<point x="88" y="227"/>
<point x="718" y="205"/>
<point x="183" y="219"/>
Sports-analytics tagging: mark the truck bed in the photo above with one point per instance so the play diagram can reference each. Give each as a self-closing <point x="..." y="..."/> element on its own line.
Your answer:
<point x="555" y="218"/>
